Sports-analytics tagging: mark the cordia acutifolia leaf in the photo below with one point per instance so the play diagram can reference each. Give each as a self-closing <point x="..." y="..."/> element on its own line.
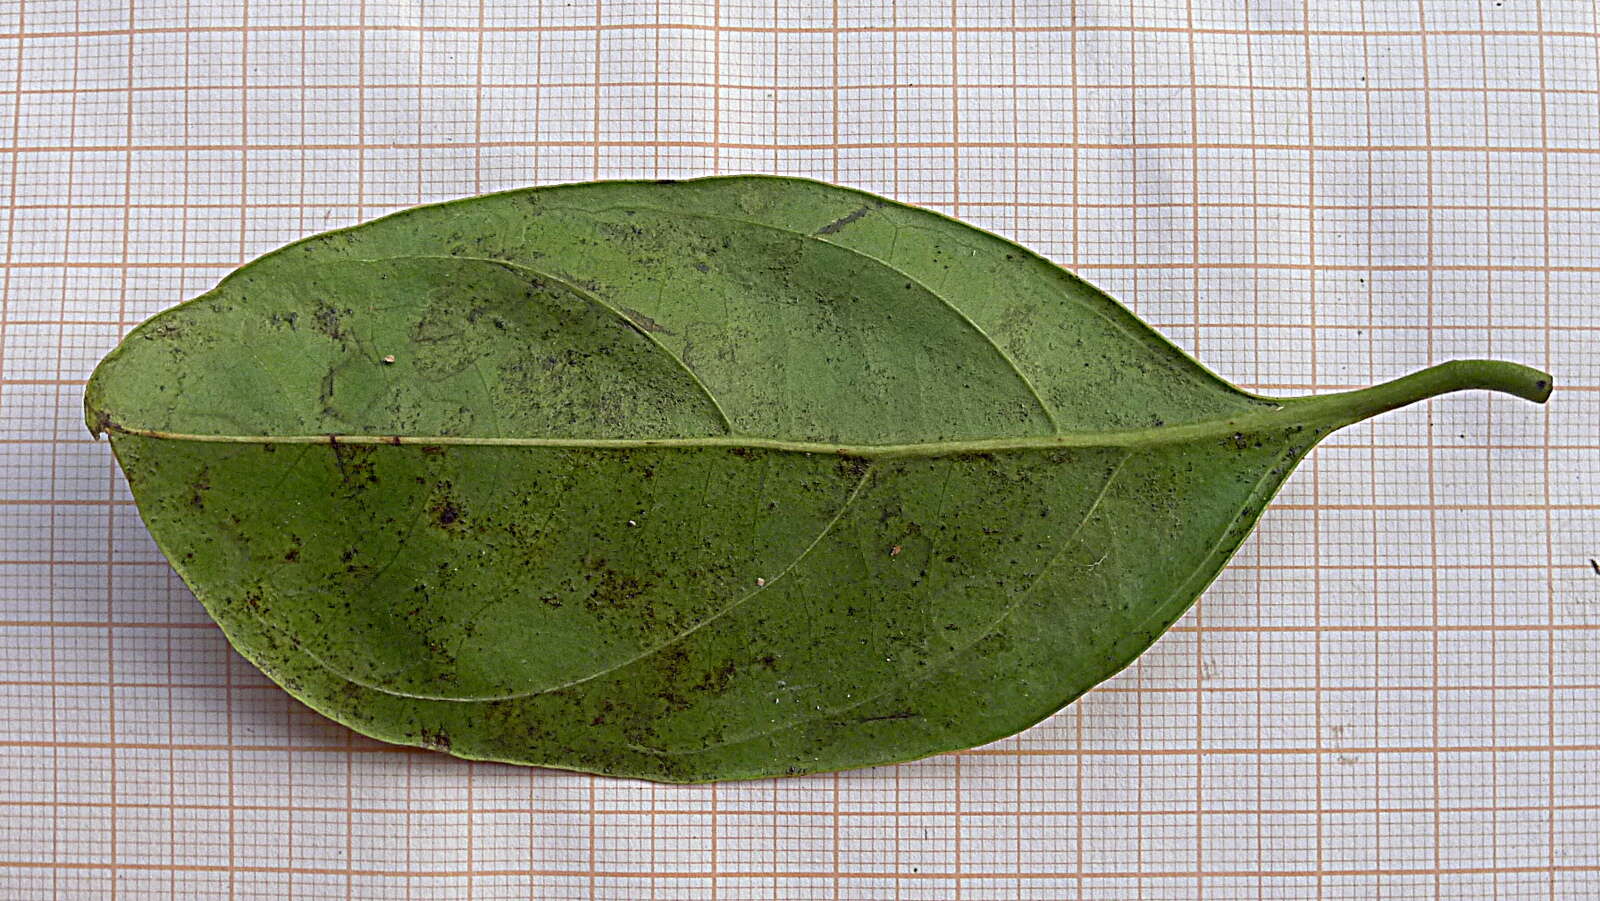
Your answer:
<point x="716" y="479"/>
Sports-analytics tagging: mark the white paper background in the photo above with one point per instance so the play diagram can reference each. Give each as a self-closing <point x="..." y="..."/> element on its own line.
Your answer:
<point x="1392" y="691"/>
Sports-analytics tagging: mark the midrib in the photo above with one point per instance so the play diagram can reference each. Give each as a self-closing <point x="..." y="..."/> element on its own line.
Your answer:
<point x="1219" y="429"/>
<point x="1320" y="413"/>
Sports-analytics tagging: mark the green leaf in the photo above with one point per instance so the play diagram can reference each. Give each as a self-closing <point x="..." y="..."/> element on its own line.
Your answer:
<point x="688" y="481"/>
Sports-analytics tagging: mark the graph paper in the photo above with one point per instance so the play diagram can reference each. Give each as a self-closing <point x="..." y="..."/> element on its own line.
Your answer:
<point x="1393" y="691"/>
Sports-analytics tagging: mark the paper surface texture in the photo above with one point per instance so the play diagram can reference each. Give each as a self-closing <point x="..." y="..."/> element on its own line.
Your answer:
<point x="1393" y="690"/>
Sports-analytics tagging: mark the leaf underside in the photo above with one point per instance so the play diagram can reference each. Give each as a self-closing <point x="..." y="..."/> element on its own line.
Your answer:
<point x="727" y="478"/>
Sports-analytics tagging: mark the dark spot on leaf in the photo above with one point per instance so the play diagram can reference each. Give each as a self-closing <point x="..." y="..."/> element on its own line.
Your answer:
<point x="899" y="715"/>
<point x="645" y="323"/>
<point x="716" y="681"/>
<point x="201" y="485"/>
<point x="614" y="591"/>
<point x="325" y="392"/>
<point x="668" y="666"/>
<point x="327" y="321"/>
<point x="356" y="463"/>
<point x="853" y="468"/>
<point x="837" y="225"/>
<point x="445" y="513"/>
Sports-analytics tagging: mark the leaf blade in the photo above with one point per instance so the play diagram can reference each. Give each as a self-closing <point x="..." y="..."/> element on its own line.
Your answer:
<point x="719" y="479"/>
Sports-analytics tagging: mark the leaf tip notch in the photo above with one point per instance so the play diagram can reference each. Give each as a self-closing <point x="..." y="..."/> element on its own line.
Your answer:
<point x="95" y="416"/>
<point x="1512" y="378"/>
